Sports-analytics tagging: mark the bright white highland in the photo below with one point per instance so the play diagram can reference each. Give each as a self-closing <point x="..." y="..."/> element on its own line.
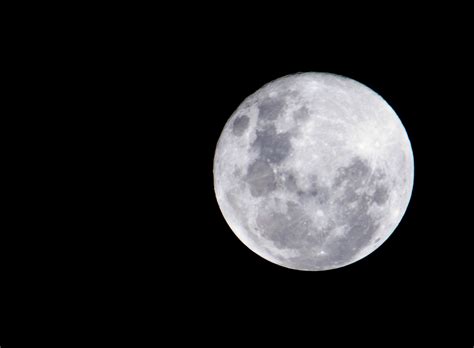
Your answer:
<point x="314" y="171"/>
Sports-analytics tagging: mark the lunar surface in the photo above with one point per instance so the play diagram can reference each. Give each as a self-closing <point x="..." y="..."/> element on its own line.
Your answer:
<point x="314" y="171"/>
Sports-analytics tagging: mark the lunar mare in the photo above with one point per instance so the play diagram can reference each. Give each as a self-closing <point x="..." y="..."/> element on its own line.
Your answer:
<point x="313" y="171"/>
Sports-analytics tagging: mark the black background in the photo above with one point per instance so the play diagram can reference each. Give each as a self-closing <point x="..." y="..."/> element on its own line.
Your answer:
<point x="113" y="226"/>
<point x="417" y="281"/>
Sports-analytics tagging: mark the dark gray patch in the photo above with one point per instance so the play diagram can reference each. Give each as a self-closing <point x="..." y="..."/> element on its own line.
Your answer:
<point x="355" y="173"/>
<point x="302" y="114"/>
<point x="315" y="191"/>
<point x="381" y="194"/>
<point x="273" y="147"/>
<point x="240" y="125"/>
<point x="323" y="194"/>
<point x="293" y="94"/>
<point x="352" y="208"/>
<point x="291" y="230"/>
<point x="290" y="182"/>
<point x="376" y="240"/>
<point x="260" y="178"/>
<point x="237" y="172"/>
<point x="312" y="192"/>
<point x="270" y="108"/>
<point x="361" y="225"/>
<point x="360" y="234"/>
<point x="350" y="195"/>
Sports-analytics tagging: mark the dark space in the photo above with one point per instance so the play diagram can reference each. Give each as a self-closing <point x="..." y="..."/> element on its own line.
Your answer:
<point x="112" y="225"/>
<point x="416" y="279"/>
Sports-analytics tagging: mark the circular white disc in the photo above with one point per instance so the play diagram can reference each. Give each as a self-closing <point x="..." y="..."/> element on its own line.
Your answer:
<point x="313" y="171"/>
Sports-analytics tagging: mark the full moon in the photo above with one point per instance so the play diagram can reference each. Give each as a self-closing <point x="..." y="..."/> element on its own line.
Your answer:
<point x="313" y="171"/>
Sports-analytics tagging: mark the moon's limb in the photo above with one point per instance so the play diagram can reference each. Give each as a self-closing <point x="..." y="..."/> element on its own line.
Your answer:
<point x="314" y="171"/>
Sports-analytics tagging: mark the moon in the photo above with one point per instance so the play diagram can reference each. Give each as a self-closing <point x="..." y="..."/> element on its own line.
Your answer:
<point x="314" y="171"/>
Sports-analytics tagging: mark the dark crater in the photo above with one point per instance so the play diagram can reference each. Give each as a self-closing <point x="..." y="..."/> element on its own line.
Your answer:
<point x="272" y="147"/>
<point x="270" y="108"/>
<point x="301" y="114"/>
<point x="260" y="178"/>
<point x="290" y="230"/>
<point x="354" y="174"/>
<point x="381" y="194"/>
<point x="240" y="124"/>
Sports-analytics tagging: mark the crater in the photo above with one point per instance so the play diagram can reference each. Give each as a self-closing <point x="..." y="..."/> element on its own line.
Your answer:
<point x="359" y="234"/>
<point x="292" y="230"/>
<point x="381" y="194"/>
<point x="314" y="192"/>
<point x="270" y="108"/>
<point x="302" y="114"/>
<point x="273" y="147"/>
<point x="260" y="178"/>
<point x="356" y="173"/>
<point x="240" y="124"/>
<point x="290" y="182"/>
